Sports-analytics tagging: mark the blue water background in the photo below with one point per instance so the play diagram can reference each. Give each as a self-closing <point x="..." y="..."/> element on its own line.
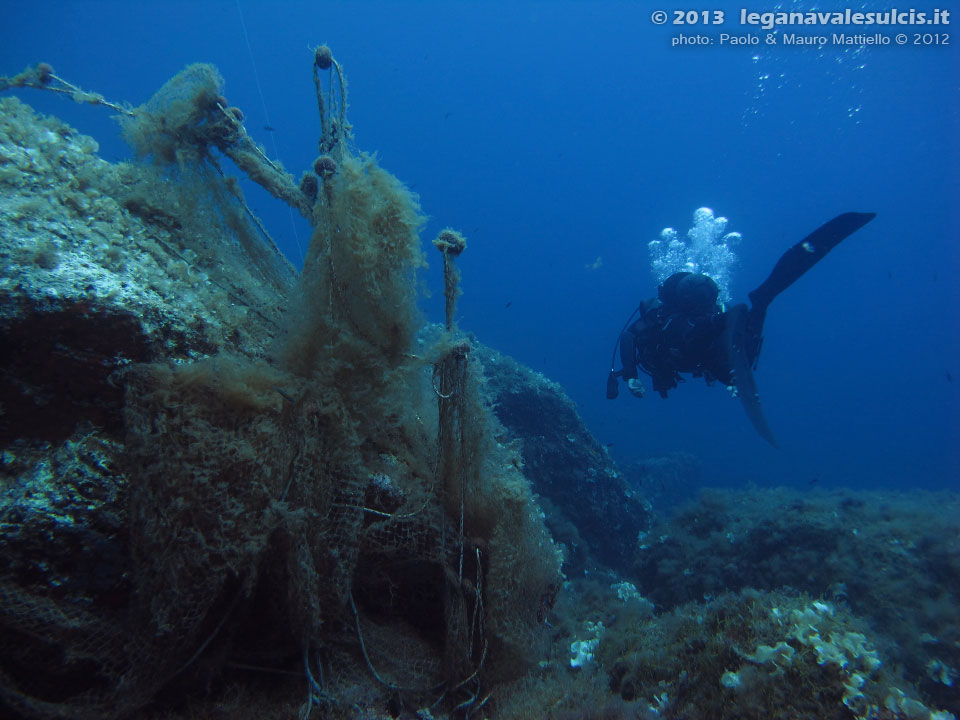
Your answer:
<point x="557" y="133"/>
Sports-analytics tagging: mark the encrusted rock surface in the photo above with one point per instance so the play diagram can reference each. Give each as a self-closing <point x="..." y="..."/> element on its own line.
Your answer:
<point x="589" y="506"/>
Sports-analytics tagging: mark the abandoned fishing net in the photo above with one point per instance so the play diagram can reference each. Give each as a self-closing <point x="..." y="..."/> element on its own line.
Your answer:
<point x="334" y="498"/>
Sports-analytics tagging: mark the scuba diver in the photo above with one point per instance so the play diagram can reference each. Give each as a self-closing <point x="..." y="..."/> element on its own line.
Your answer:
<point x="686" y="330"/>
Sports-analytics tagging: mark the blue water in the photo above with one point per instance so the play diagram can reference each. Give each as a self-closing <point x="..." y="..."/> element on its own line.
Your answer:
<point x="555" y="133"/>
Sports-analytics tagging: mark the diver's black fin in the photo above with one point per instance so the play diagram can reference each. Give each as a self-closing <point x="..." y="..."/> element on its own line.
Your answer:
<point x="792" y="265"/>
<point x="805" y="254"/>
<point x="744" y="332"/>
<point x="737" y="338"/>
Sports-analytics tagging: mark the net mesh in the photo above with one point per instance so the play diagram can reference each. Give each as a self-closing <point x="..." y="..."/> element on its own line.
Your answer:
<point x="346" y="499"/>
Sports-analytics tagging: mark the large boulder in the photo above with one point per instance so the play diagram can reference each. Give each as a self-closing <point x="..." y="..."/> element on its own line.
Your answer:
<point x="590" y="507"/>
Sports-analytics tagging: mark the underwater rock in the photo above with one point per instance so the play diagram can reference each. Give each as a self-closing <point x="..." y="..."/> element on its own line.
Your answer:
<point x="91" y="264"/>
<point x="757" y="654"/>
<point x="98" y="274"/>
<point x="588" y="504"/>
<point x="870" y="551"/>
<point x="666" y="480"/>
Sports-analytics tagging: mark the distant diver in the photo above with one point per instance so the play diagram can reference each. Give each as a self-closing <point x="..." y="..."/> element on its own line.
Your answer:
<point x="686" y="330"/>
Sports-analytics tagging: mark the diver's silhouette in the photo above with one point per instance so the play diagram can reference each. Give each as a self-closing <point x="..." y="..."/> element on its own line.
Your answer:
<point x="685" y="330"/>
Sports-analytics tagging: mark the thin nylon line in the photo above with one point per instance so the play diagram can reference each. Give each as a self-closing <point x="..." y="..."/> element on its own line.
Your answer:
<point x="266" y="115"/>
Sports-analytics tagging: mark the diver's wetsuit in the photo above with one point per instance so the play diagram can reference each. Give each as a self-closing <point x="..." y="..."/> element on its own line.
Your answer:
<point x="681" y="331"/>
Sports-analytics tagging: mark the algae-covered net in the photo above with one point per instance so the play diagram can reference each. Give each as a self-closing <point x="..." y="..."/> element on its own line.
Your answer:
<point x="335" y="500"/>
